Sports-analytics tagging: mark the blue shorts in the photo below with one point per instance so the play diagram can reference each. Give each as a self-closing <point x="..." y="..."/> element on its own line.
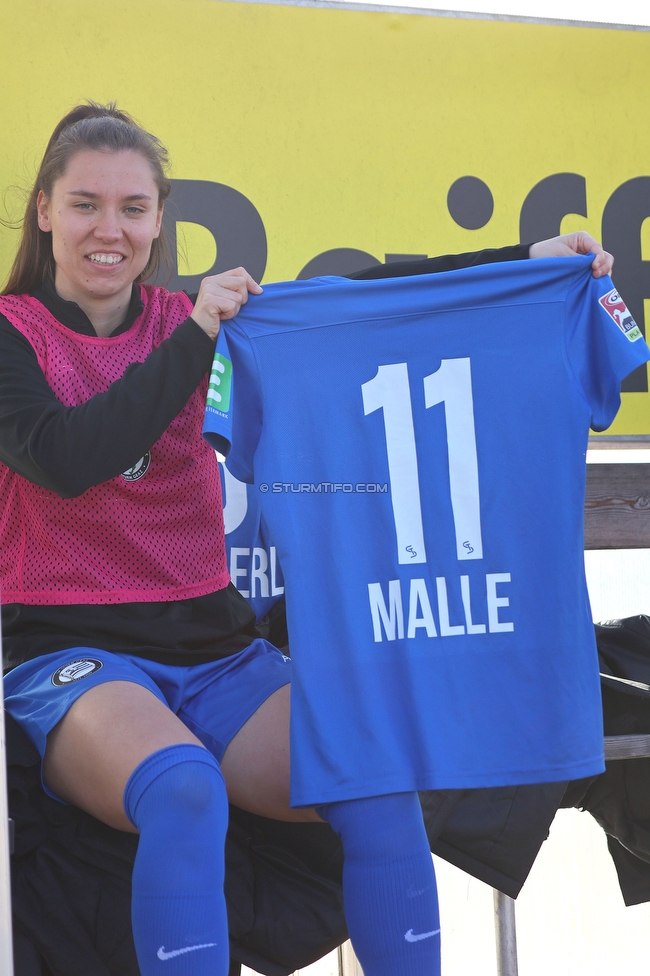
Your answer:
<point x="213" y="700"/>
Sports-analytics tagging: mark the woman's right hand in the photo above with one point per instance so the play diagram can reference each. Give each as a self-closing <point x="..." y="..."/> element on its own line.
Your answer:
<point x="568" y="245"/>
<point x="220" y="297"/>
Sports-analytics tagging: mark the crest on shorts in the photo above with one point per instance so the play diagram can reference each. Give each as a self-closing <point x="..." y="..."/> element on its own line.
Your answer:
<point x="618" y="310"/>
<point x="139" y="469"/>
<point x="76" y="670"/>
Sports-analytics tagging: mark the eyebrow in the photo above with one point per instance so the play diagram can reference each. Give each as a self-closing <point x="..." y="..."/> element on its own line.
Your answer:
<point x="95" y="196"/>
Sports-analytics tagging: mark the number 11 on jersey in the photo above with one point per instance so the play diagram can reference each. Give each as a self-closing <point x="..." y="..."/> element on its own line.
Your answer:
<point x="450" y="384"/>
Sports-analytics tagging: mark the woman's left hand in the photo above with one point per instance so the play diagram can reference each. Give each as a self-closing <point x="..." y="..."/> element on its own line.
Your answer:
<point x="568" y="245"/>
<point x="220" y="297"/>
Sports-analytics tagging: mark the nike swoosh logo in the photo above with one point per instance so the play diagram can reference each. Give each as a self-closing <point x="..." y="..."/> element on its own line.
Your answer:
<point x="411" y="937"/>
<point x="179" y="952"/>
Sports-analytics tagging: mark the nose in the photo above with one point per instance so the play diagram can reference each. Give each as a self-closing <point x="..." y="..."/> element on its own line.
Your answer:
<point x="107" y="226"/>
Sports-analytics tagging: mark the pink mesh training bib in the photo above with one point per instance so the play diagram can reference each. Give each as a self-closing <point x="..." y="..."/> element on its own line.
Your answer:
<point x="153" y="533"/>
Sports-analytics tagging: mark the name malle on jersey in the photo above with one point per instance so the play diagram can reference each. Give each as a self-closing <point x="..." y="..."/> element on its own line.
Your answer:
<point x="395" y="612"/>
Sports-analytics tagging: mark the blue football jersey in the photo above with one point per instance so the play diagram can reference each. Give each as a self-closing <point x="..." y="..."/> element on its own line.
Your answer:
<point x="418" y="447"/>
<point x="252" y="559"/>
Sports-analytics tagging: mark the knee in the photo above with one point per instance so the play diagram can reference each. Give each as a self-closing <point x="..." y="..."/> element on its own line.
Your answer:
<point x="183" y="783"/>
<point x="177" y="800"/>
<point x="192" y="787"/>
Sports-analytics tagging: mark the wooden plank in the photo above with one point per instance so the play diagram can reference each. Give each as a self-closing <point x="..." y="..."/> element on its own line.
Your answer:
<point x="626" y="442"/>
<point x="617" y="507"/>
<point x="627" y="747"/>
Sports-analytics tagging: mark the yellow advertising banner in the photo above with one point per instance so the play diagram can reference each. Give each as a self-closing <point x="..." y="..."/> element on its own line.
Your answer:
<point x="309" y="139"/>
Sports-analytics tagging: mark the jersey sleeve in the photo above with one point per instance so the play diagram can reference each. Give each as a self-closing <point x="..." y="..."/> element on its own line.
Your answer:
<point x="603" y="344"/>
<point x="233" y="413"/>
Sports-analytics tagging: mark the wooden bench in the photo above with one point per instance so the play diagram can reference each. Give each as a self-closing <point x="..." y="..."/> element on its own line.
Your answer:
<point x="617" y="516"/>
<point x="617" y="505"/>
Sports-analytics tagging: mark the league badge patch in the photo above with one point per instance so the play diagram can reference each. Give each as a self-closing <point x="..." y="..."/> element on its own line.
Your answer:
<point x="618" y="310"/>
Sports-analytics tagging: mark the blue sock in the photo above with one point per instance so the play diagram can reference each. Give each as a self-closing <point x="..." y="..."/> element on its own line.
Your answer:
<point x="177" y="800"/>
<point x="389" y="885"/>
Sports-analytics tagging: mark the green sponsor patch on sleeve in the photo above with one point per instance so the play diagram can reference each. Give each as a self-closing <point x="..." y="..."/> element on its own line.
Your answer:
<point x="220" y="383"/>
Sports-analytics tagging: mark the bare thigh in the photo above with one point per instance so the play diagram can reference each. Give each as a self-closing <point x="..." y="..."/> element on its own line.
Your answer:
<point x="256" y="763"/>
<point x="104" y="736"/>
<point x="113" y="727"/>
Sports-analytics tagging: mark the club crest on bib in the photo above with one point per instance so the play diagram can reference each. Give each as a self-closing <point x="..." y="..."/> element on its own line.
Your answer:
<point x="76" y="670"/>
<point x="139" y="469"/>
<point x="618" y="310"/>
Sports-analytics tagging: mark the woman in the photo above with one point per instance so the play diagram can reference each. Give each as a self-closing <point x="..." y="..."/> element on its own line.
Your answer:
<point x="135" y="665"/>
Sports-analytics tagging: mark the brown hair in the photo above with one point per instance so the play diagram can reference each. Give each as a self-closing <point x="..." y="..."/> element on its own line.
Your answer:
<point x="103" y="128"/>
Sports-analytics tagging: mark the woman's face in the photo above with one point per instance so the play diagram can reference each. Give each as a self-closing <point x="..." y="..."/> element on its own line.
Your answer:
<point x="103" y="215"/>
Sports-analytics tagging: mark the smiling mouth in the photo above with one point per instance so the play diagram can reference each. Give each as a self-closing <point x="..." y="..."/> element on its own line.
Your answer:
<point x="105" y="258"/>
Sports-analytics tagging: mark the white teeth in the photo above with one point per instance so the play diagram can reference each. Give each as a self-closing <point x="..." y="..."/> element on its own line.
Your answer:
<point x="105" y="258"/>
